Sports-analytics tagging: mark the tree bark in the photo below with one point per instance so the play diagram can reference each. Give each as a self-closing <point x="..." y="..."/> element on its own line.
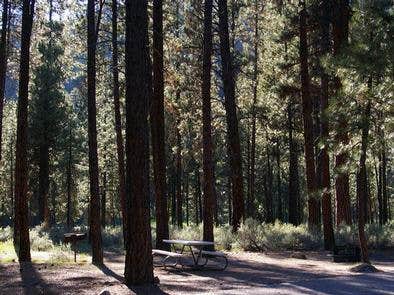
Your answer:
<point x="43" y="183"/>
<point x="21" y="220"/>
<point x="268" y="194"/>
<point x="94" y="223"/>
<point x="208" y="168"/>
<point x="158" y="129"/>
<point x="178" y="175"/>
<point x="307" y="108"/>
<point x="139" y="263"/>
<point x="231" y="117"/>
<point x="340" y="36"/>
<point x="104" y="200"/>
<point x="329" y="241"/>
<point x="278" y="183"/>
<point x="69" y="179"/>
<point x="362" y="189"/>
<point x="294" y="185"/>
<point x="3" y="65"/>
<point x="118" y="117"/>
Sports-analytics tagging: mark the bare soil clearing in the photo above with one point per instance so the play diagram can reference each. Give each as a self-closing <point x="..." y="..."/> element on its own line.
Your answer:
<point x="248" y="273"/>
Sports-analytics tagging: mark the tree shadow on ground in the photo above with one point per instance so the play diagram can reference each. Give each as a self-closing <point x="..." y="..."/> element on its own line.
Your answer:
<point x="32" y="282"/>
<point x="143" y="289"/>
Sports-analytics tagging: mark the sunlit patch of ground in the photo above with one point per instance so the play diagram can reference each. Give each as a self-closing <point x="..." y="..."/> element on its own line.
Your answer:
<point x="57" y="255"/>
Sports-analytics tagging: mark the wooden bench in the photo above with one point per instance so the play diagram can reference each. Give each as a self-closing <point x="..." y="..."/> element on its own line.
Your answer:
<point x="347" y="253"/>
<point x="167" y="256"/>
<point x="215" y="255"/>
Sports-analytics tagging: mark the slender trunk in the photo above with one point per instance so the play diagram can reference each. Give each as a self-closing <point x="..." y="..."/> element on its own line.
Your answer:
<point x="139" y="263"/>
<point x="118" y="118"/>
<point x="252" y="209"/>
<point x="329" y="241"/>
<point x="231" y="117"/>
<point x="104" y="200"/>
<point x="178" y="176"/>
<point x="69" y="178"/>
<point x="197" y="194"/>
<point x="12" y="185"/>
<point x="362" y="189"/>
<point x="95" y="226"/>
<point x="21" y="221"/>
<point x="340" y="36"/>
<point x="279" y="184"/>
<point x="385" y="199"/>
<point x="187" y="199"/>
<point x="173" y="192"/>
<point x="3" y="65"/>
<point x="208" y="168"/>
<point x="44" y="184"/>
<point x="157" y="129"/>
<point x="307" y="108"/>
<point x="268" y="201"/>
<point x="294" y="186"/>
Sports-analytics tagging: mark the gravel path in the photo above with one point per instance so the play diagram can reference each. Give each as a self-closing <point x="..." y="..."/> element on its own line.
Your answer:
<point x="248" y="273"/>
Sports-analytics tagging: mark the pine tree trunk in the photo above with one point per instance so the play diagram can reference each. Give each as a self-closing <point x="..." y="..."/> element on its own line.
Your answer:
<point x="139" y="263"/>
<point x="178" y="175"/>
<point x="385" y="199"/>
<point x="278" y="184"/>
<point x="43" y="184"/>
<point x="362" y="189"/>
<point x="294" y="186"/>
<point x="231" y="117"/>
<point x="328" y="230"/>
<point x="208" y="168"/>
<point x="157" y="129"/>
<point x="3" y="65"/>
<point x="268" y="198"/>
<point x="95" y="226"/>
<point x="69" y="178"/>
<point x="307" y="109"/>
<point x="340" y="36"/>
<point x="118" y="118"/>
<point x="104" y="200"/>
<point x="252" y="208"/>
<point x="21" y="219"/>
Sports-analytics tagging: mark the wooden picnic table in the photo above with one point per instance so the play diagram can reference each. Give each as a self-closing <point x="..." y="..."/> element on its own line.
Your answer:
<point x="186" y="244"/>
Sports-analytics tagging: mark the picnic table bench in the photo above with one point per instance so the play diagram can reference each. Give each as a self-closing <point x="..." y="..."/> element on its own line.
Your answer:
<point x="200" y="257"/>
<point x="347" y="253"/>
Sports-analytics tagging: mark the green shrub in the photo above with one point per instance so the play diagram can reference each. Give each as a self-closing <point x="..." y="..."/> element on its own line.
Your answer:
<point x="256" y="236"/>
<point x="6" y="233"/>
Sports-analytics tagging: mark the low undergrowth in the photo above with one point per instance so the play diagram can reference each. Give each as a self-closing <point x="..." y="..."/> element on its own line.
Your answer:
<point x="251" y="236"/>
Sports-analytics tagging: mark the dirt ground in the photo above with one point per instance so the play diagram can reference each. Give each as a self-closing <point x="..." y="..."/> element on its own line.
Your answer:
<point x="247" y="273"/>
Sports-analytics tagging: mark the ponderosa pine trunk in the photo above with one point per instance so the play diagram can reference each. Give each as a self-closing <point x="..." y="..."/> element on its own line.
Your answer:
<point x="294" y="185"/>
<point x="307" y="109"/>
<point x="208" y="168"/>
<point x="178" y="174"/>
<point x="340" y="36"/>
<point x="268" y="191"/>
<point x="104" y="200"/>
<point x="251" y="202"/>
<point x="118" y="117"/>
<point x="231" y="117"/>
<point x="279" y="212"/>
<point x="69" y="219"/>
<point x="361" y="182"/>
<point x="43" y="183"/>
<point x="21" y="219"/>
<point x="94" y="212"/>
<point x="158" y="129"/>
<point x="139" y="262"/>
<point x="3" y="65"/>
<point x="328" y="231"/>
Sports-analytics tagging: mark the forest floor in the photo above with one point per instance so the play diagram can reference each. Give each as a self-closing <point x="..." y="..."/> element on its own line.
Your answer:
<point x="247" y="273"/>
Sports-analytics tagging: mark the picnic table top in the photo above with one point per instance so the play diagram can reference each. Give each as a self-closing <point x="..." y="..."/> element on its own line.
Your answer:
<point x="189" y="243"/>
